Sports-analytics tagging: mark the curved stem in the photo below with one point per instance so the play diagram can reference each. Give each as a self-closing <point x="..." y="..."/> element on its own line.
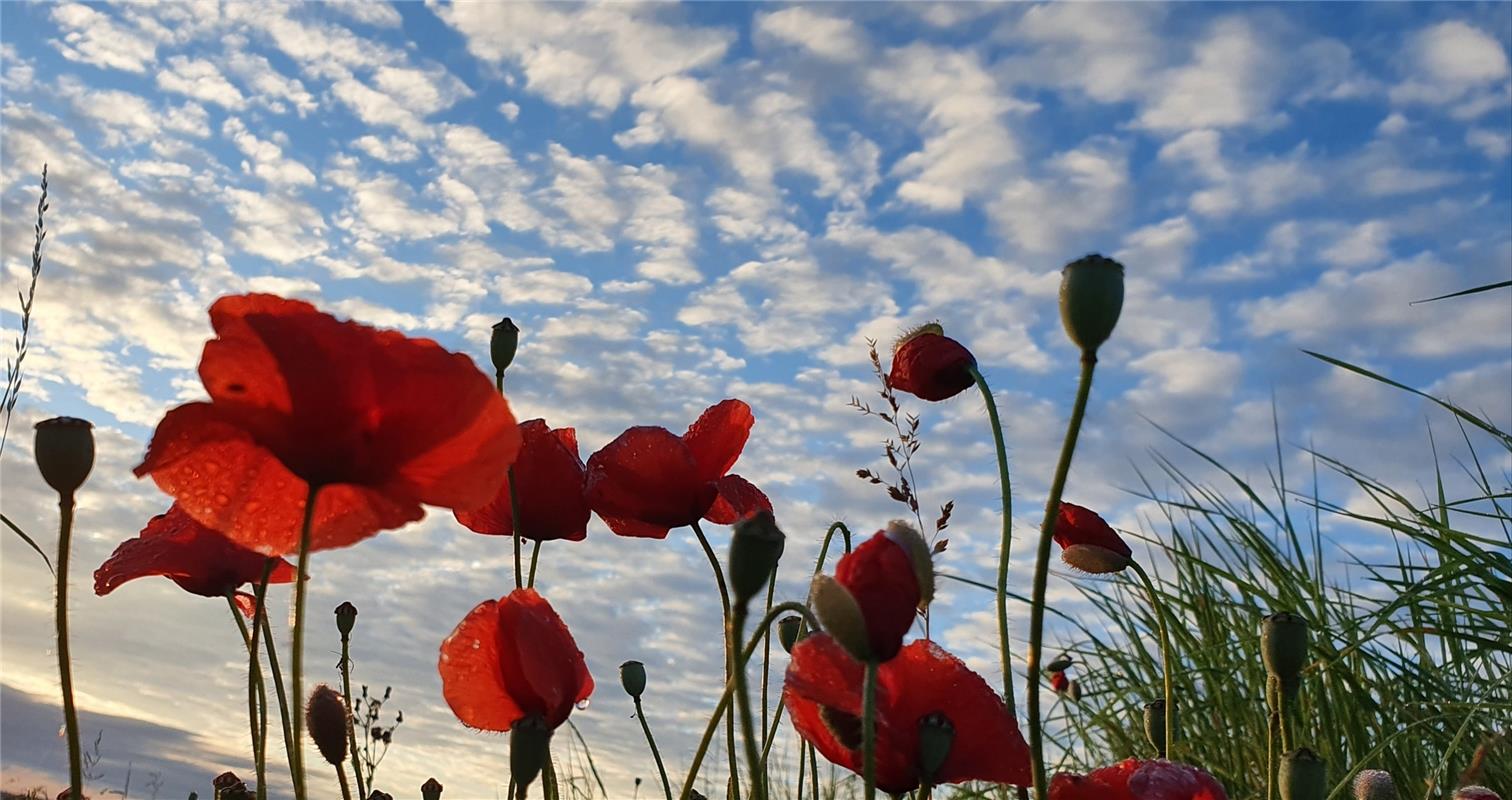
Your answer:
<point x="254" y="681"/>
<point x="297" y="670"/>
<point x="1005" y="546"/>
<point x="65" y="665"/>
<point x="514" y="524"/>
<point x="743" y="697"/>
<point x="1042" y="572"/>
<point x="869" y="730"/>
<point x="535" y="558"/>
<point x="729" y="646"/>
<point x="640" y="714"/>
<point x="346" y="699"/>
<point x="1165" y="659"/>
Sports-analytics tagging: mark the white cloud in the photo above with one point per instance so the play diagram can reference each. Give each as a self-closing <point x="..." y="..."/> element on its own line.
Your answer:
<point x="424" y="91"/>
<point x="1457" y="66"/>
<point x="1161" y="249"/>
<point x="1261" y="185"/>
<point x="1494" y="144"/>
<point x="510" y="110"/>
<point x="200" y="80"/>
<point x="267" y="86"/>
<point x="830" y="38"/>
<point x="1232" y="81"/>
<point x="268" y="160"/>
<point x="281" y="229"/>
<point x="1081" y="192"/>
<point x="94" y="37"/>
<point x="1366" y="243"/>
<point x="390" y="150"/>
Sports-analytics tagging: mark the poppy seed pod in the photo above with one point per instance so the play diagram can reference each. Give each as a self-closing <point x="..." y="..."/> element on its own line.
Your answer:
<point x="840" y="615"/>
<point x="1374" y="784"/>
<point x="430" y="790"/>
<point x="1283" y="646"/>
<point x="65" y="452"/>
<point x="633" y="678"/>
<point x="1091" y="298"/>
<point x="919" y="555"/>
<point x="1304" y="776"/>
<point x="755" y="547"/>
<point x="326" y="717"/>
<point x="346" y="617"/>
<point x="503" y="344"/>
<point x="1155" y="725"/>
<point x="1475" y="793"/>
<point x="529" y="747"/>
<point x="936" y="735"/>
<point x="787" y="632"/>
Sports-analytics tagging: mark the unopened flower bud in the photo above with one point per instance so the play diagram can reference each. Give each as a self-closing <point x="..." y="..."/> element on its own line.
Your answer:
<point x="377" y="795"/>
<point x="326" y="717"/>
<point x="229" y="787"/>
<point x="502" y="347"/>
<point x="633" y="678"/>
<point x="346" y="617"/>
<point x="755" y="547"/>
<point x="1283" y="645"/>
<point x="936" y="735"/>
<point x="529" y="747"/>
<point x="1155" y="725"/>
<point x="787" y="632"/>
<point x="65" y="452"/>
<point x="1095" y="560"/>
<point x="1303" y="776"/>
<point x="697" y="795"/>
<point x="840" y="615"/>
<point x="1073" y="692"/>
<point x="1060" y="664"/>
<point x="430" y="790"/>
<point x="1475" y="793"/>
<point x="919" y="554"/>
<point x="1091" y="298"/>
<point x="1374" y="784"/>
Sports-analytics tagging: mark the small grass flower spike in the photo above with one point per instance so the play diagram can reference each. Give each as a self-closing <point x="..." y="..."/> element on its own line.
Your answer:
<point x="1136" y="779"/>
<point x="1088" y="543"/>
<point x="930" y="365"/>
<point x="550" y="477"/>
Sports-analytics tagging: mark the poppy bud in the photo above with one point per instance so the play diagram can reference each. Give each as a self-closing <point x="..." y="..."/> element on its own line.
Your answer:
<point x="1059" y="682"/>
<point x="918" y="554"/>
<point x="755" y="547"/>
<point x="1088" y="543"/>
<point x="1374" y="784"/>
<point x="229" y="787"/>
<point x="346" y="617"/>
<point x="787" y="632"/>
<point x="377" y="795"/>
<point x="1060" y="664"/>
<point x="65" y="452"/>
<point x="1303" y="776"/>
<point x="1155" y="725"/>
<point x="1283" y="645"/>
<point x="1073" y="692"/>
<point x="697" y="795"/>
<point x="506" y="339"/>
<point x="633" y="678"/>
<point x="1475" y="793"/>
<point x="936" y="735"/>
<point x="326" y="716"/>
<point x="840" y="615"/>
<point x="430" y="790"/>
<point x="529" y="747"/>
<point x="1091" y="297"/>
<point x="930" y="365"/>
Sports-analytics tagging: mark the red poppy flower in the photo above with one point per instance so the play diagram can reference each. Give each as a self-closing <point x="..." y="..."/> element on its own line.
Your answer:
<point x="649" y="480"/>
<point x="509" y="659"/>
<point x="1088" y="543"/>
<point x="550" y="490"/>
<point x="1059" y="682"/>
<point x="880" y="576"/>
<point x="191" y="555"/>
<point x="823" y="694"/>
<point x="379" y="422"/>
<point x="930" y="365"/>
<point x="1135" y="779"/>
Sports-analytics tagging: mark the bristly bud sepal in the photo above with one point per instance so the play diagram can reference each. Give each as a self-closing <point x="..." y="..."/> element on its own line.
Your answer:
<point x="841" y="616"/>
<point x="326" y="717"/>
<point x="919" y="555"/>
<point x="1091" y="299"/>
<point x="65" y="452"/>
<point x="1374" y="784"/>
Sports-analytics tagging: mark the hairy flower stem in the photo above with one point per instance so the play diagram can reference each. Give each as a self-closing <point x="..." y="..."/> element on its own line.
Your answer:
<point x="1005" y="546"/>
<point x="278" y="688"/>
<point x="259" y="624"/>
<point x="65" y="666"/>
<point x="729" y="648"/>
<point x="535" y="558"/>
<point x="346" y="699"/>
<point x="729" y="689"/>
<point x="1272" y="723"/>
<point x="514" y="522"/>
<point x="254" y="690"/>
<point x="766" y="662"/>
<point x="813" y="760"/>
<point x="802" y="765"/>
<point x="1165" y="659"/>
<point x="1042" y="572"/>
<point x="869" y="730"/>
<point x="640" y="714"/>
<point x="346" y="788"/>
<point x="297" y="670"/>
<point x="743" y="696"/>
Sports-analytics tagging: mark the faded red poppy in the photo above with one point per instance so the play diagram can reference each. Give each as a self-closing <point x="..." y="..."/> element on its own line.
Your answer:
<point x="880" y="575"/>
<point x="191" y="555"/>
<point x="1059" y="682"/>
<point x="1136" y="779"/>
<point x="378" y="422"/>
<point x="1088" y="543"/>
<point x="650" y="480"/>
<point x="930" y="365"/>
<point x="823" y="694"/>
<point x="550" y="492"/>
<point x="509" y="659"/>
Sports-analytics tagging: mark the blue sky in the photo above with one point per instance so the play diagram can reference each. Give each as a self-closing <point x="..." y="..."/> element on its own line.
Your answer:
<point x="684" y="203"/>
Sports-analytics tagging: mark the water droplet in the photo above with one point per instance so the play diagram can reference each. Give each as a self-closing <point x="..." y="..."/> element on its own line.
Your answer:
<point x="581" y="704"/>
<point x="221" y="498"/>
<point x="477" y="644"/>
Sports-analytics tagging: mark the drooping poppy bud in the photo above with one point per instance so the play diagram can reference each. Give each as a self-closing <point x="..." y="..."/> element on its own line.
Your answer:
<point x="430" y="790"/>
<point x="633" y="678"/>
<point x="1088" y="542"/>
<point x="1374" y="784"/>
<point x="529" y="747"/>
<point x="1091" y="298"/>
<point x="919" y="555"/>
<point x="346" y="617"/>
<point x="326" y="717"/>
<point x="503" y="344"/>
<point x="755" y="547"/>
<point x="787" y="632"/>
<point x="1060" y="664"/>
<point x="1073" y="692"/>
<point x="1475" y="793"/>
<point x="65" y="452"/>
<point x="838" y="612"/>
<point x="936" y="735"/>
<point x="930" y="365"/>
<point x="1155" y="725"/>
<point x="1303" y="776"/>
<point x="1283" y="646"/>
<point x="882" y="578"/>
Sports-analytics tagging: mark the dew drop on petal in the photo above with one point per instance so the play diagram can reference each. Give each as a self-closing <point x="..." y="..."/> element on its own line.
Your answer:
<point x="581" y="704"/>
<point x="477" y="644"/>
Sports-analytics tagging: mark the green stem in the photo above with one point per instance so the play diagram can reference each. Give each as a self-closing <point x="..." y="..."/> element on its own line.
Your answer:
<point x="640" y="714"/>
<point x="1042" y="572"/>
<point x="1272" y="723"/>
<point x="514" y="524"/>
<point x="771" y="735"/>
<point x="729" y="647"/>
<point x="766" y="660"/>
<point x="802" y="766"/>
<point x="535" y="558"/>
<point x="813" y="760"/>
<point x="1165" y="659"/>
<point x="1005" y="546"/>
<point x="743" y="696"/>
<point x="346" y="789"/>
<point x="297" y="670"/>
<point x="346" y="698"/>
<point x="278" y="687"/>
<point x="259" y="612"/>
<point x="869" y="730"/>
<point x="65" y="665"/>
<point x="254" y="681"/>
<point x="549" y="788"/>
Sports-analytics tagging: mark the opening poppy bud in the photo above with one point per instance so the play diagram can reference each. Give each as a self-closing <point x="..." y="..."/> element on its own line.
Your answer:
<point x="919" y="554"/>
<point x="529" y="747"/>
<point x="936" y="735"/>
<point x="502" y="347"/>
<point x="430" y="790"/>
<point x="840" y="615"/>
<point x="787" y="632"/>
<point x="1091" y="298"/>
<point x="1059" y="665"/>
<point x="65" y="452"/>
<point x="1475" y="793"/>
<point x="346" y="617"/>
<point x="1283" y="645"/>
<point x="930" y="365"/>
<point x="1155" y="725"/>
<point x="326" y="717"/>
<point x="1095" y="560"/>
<point x="1303" y="776"/>
<point x="633" y="678"/>
<point x="1374" y="784"/>
<point x="755" y="547"/>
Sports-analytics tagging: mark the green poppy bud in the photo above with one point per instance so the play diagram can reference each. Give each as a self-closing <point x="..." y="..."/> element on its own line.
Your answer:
<point x="326" y="717"/>
<point x="787" y="632"/>
<point x="1304" y="776"/>
<point x="1155" y="725"/>
<point x="755" y="547"/>
<point x="346" y="617"/>
<point x="1060" y="664"/>
<point x="936" y="735"/>
<point x="1073" y="691"/>
<point x="1091" y="298"/>
<point x="918" y="554"/>
<point x="502" y="347"/>
<point x="1374" y="784"/>
<point x="840" y="615"/>
<point x="430" y="790"/>
<point x="633" y="678"/>
<point x="65" y="452"/>
<point x="377" y="795"/>
<point x="1283" y="645"/>
<point x="529" y="747"/>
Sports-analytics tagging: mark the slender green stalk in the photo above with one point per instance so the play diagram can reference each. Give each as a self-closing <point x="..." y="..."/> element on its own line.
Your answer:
<point x="729" y="647"/>
<point x="869" y="730"/>
<point x="297" y="670"/>
<point x="346" y="698"/>
<point x="1005" y="546"/>
<point x="771" y="735"/>
<point x="743" y="697"/>
<point x="640" y="714"/>
<point x="254" y="682"/>
<point x="65" y="666"/>
<point x="346" y="789"/>
<point x="535" y="558"/>
<point x="278" y="687"/>
<point x="1165" y="658"/>
<point x="766" y="658"/>
<point x="259" y="622"/>
<point x="549" y="788"/>
<point x="514" y="523"/>
<point x="802" y="765"/>
<point x="813" y="760"/>
<point x="1273" y="723"/>
<point x="1042" y="573"/>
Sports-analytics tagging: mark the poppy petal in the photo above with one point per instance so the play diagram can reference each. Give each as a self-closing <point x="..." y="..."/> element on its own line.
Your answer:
<point x="809" y="722"/>
<point x="738" y="497"/>
<point x="821" y="671"/>
<point x="539" y="660"/>
<point x="550" y="479"/>
<point x="718" y="435"/>
<point x="648" y="475"/>
<point x="471" y="679"/>
<point x="195" y="557"/>
<point x="635" y="529"/>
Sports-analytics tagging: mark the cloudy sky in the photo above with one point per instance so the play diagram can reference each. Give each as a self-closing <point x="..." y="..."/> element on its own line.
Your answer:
<point x="684" y="203"/>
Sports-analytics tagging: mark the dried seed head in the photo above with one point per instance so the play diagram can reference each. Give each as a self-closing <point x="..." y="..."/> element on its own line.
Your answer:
<point x="346" y="617"/>
<point x="1283" y="646"/>
<point x="787" y="632"/>
<point x="326" y="717"/>
<point x="936" y="735"/>
<point x="1155" y="725"/>
<point x="1475" y="793"/>
<point x="430" y="790"/>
